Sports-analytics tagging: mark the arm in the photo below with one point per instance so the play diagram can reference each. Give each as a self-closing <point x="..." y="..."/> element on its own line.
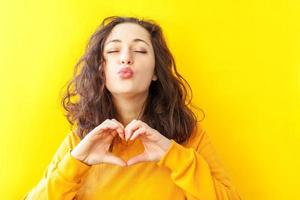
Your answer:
<point x="198" y="171"/>
<point x="62" y="177"/>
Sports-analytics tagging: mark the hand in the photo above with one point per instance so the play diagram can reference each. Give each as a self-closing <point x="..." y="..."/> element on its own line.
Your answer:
<point x="93" y="148"/>
<point x="155" y="144"/>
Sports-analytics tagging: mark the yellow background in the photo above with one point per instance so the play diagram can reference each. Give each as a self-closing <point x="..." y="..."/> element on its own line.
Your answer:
<point x="240" y="57"/>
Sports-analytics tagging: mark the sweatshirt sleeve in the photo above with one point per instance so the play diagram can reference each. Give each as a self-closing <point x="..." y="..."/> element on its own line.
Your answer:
<point x="62" y="178"/>
<point x="197" y="171"/>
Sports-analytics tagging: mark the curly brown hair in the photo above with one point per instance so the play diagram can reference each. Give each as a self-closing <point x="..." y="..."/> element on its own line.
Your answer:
<point x="88" y="103"/>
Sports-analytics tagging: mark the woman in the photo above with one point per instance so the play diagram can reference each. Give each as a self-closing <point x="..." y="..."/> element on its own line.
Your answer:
<point x="135" y="136"/>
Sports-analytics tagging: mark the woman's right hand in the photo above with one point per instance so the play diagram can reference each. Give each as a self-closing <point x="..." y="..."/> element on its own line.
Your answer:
<point x="93" y="148"/>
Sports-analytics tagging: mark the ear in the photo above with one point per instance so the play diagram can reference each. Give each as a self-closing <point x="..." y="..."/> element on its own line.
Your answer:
<point x="101" y="73"/>
<point x="154" y="77"/>
<point x="101" y="65"/>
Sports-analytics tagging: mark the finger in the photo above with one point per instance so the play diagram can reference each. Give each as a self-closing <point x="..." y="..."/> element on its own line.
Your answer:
<point x="118" y="122"/>
<point x="113" y="133"/>
<point x="106" y="125"/>
<point x="120" y="129"/>
<point x="139" y="158"/>
<point x="110" y="158"/>
<point x="131" y="127"/>
<point x="107" y="131"/>
<point x="108" y="135"/>
<point x="102" y="130"/>
<point x="138" y="133"/>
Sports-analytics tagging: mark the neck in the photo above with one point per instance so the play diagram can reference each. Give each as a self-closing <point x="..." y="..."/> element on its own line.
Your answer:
<point x="129" y="107"/>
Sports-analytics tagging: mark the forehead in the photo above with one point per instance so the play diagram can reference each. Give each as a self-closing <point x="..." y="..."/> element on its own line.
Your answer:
<point x="126" y="32"/>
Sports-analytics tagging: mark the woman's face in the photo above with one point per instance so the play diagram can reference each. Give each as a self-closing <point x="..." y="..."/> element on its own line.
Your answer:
<point x="129" y="60"/>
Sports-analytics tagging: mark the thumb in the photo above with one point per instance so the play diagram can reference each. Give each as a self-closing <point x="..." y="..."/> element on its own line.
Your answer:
<point x="139" y="158"/>
<point x="110" y="158"/>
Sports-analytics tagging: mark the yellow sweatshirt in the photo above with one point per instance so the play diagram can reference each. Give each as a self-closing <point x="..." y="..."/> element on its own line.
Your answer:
<point x="187" y="171"/>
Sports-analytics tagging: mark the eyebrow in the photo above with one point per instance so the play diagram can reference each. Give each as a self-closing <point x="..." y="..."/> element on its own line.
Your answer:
<point x="135" y="40"/>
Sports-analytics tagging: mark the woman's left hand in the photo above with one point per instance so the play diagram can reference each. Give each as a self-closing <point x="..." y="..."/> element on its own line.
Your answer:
<point x="155" y="144"/>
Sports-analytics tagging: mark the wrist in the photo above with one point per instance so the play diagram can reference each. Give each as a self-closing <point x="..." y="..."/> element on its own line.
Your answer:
<point x="77" y="156"/>
<point x="166" y="144"/>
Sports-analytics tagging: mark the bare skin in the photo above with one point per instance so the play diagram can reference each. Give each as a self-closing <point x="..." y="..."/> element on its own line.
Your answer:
<point x="93" y="148"/>
<point x="128" y="46"/>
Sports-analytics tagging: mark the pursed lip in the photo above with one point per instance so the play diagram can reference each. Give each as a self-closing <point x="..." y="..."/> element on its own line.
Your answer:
<point x="126" y="72"/>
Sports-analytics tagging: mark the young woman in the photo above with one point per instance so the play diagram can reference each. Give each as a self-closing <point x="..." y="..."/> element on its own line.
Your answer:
<point x="134" y="135"/>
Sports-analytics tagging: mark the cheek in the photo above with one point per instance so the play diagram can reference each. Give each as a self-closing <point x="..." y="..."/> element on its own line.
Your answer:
<point x="147" y="63"/>
<point x="144" y="77"/>
<point x="109" y="75"/>
<point x="145" y="69"/>
<point x="151" y="67"/>
<point x="110" y="59"/>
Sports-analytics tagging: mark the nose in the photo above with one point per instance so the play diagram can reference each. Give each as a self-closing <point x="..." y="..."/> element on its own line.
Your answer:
<point x="124" y="61"/>
<point x="126" y="58"/>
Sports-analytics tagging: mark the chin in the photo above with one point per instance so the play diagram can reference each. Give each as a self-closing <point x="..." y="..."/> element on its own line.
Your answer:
<point x="124" y="92"/>
<point x="127" y="93"/>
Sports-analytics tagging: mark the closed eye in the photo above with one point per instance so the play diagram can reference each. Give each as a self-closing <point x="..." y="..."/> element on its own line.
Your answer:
<point x="112" y="51"/>
<point x="142" y="52"/>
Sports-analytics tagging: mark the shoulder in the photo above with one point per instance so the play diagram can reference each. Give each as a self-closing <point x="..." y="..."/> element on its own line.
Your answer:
<point x="69" y="142"/>
<point x="197" y="137"/>
<point x="72" y="138"/>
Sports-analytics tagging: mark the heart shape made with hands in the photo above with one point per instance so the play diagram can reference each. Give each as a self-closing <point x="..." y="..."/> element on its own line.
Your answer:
<point x="155" y="144"/>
